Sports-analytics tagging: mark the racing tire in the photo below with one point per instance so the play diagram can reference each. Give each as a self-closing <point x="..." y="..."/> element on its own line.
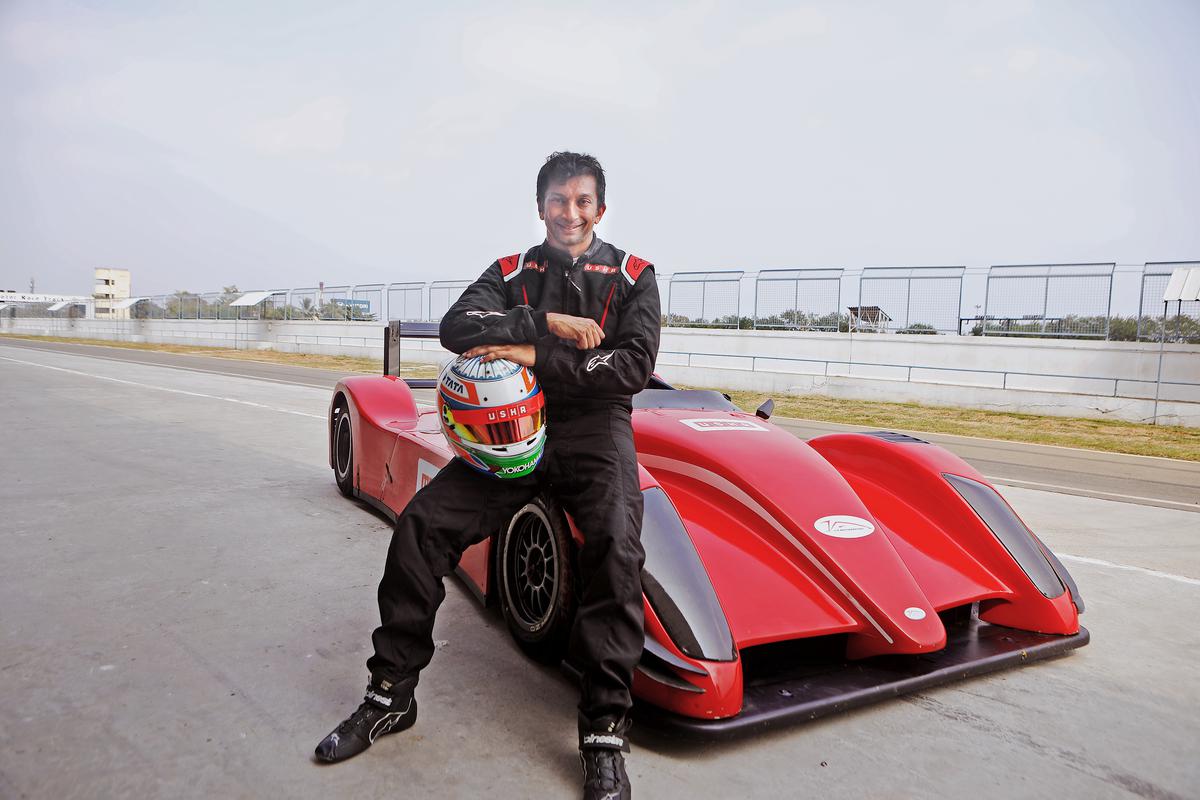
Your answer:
<point x="536" y="580"/>
<point x="343" y="451"/>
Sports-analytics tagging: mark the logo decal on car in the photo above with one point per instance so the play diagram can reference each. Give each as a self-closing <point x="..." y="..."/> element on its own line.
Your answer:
<point x="841" y="526"/>
<point x="723" y="424"/>
<point x="425" y="473"/>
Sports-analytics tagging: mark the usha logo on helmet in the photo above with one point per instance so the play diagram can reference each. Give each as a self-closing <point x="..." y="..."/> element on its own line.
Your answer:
<point x="508" y="412"/>
<point x="492" y="415"/>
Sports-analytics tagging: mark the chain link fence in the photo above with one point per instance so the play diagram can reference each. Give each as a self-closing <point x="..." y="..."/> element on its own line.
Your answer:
<point x="799" y="300"/>
<point x="1054" y="300"/>
<point x="442" y="295"/>
<point x="664" y="294"/>
<point x="1071" y="300"/>
<point x="25" y="310"/>
<point x="909" y="300"/>
<point x="708" y="299"/>
<point x="366" y="302"/>
<point x="1171" y="322"/>
<point x="405" y="301"/>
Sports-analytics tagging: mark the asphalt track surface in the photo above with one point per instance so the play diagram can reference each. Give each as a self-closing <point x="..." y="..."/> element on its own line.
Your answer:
<point x="186" y="602"/>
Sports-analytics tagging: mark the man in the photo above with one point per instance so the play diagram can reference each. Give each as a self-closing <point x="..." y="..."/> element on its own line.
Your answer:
<point x="585" y="316"/>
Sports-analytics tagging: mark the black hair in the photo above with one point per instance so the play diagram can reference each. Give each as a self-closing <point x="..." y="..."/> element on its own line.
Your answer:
<point x="566" y="165"/>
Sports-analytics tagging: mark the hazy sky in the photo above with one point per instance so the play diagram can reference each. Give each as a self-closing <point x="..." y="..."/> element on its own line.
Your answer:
<point x="280" y="144"/>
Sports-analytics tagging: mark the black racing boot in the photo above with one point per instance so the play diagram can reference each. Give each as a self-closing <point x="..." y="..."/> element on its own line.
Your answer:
<point x="387" y="708"/>
<point x="602" y="746"/>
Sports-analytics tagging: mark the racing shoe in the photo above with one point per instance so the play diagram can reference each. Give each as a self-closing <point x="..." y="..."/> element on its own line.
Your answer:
<point x="602" y="749"/>
<point x="387" y="708"/>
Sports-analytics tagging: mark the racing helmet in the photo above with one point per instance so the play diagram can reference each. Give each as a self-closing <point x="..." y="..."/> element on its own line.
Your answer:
<point x="493" y="415"/>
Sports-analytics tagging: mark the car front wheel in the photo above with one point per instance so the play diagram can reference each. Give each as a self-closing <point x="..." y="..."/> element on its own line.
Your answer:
<point x="343" y="453"/>
<point x="535" y="579"/>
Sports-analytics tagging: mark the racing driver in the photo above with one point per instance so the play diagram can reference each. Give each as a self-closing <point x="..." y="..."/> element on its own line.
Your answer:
<point x="585" y="316"/>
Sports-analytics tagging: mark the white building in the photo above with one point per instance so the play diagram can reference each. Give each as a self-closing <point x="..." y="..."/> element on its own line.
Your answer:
<point x="111" y="286"/>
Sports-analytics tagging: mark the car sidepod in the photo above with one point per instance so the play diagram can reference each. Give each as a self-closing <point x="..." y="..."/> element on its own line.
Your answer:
<point x="689" y="665"/>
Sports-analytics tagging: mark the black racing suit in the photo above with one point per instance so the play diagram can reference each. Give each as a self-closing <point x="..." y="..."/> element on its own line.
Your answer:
<point x="589" y="463"/>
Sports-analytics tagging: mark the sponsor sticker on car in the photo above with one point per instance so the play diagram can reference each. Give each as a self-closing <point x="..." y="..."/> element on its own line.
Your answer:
<point x="843" y="526"/>
<point x="425" y="473"/>
<point x="723" y="424"/>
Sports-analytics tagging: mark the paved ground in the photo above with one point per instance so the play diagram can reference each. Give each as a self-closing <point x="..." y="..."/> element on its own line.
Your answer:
<point x="185" y="604"/>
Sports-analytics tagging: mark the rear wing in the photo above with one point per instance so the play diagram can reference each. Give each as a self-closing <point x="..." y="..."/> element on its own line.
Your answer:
<point x="392" y="334"/>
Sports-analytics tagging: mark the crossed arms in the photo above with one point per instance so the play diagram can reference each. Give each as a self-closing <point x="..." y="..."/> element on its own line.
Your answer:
<point x="560" y="347"/>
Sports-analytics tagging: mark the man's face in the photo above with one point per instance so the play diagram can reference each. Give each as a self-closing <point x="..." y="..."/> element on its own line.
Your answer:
<point x="570" y="210"/>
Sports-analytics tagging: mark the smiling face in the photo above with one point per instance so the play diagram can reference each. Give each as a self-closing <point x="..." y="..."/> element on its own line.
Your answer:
<point x="570" y="210"/>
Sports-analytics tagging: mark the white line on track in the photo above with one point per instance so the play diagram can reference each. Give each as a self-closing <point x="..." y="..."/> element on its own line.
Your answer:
<point x="202" y="370"/>
<point x="1098" y="562"/>
<point x="1158" y="501"/>
<point x="166" y="389"/>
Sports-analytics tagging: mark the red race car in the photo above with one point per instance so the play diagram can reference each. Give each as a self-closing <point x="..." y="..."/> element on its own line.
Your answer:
<point x="784" y="579"/>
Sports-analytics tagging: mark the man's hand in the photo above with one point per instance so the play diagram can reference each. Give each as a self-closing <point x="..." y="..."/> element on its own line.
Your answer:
<point x="584" y="332"/>
<point x="522" y="354"/>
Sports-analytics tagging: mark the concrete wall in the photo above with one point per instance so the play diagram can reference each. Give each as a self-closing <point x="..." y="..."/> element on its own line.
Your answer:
<point x="1041" y="376"/>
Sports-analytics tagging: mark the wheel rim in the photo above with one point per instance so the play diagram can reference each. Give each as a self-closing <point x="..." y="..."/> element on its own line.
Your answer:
<point x="342" y="446"/>
<point x="532" y="570"/>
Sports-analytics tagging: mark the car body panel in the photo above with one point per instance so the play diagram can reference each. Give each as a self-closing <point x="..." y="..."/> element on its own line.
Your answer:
<point x="856" y="543"/>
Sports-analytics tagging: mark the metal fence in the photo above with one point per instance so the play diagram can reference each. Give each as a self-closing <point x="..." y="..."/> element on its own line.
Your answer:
<point x="664" y="293"/>
<point x="442" y="295"/>
<point x="304" y="303"/>
<point x="798" y="299"/>
<point x="1172" y="322"/>
<point x="709" y="299"/>
<point x="405" y="301"/>
<point x="1048" y="300"/>
<point x="1058" y="300"/>
<point x="911" y="299"/>
<point x="30" y="311"/>
<point x="367" y="302"/>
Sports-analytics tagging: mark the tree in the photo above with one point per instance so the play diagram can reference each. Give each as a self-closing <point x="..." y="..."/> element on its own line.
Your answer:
<point x="920" y="327"/>
<point x="176" y="306"/>
<point x="228" y="295"/>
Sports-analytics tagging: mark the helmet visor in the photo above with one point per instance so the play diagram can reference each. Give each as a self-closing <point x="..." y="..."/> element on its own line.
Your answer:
<point x="506" y="432"/>
<point x="497" y="426"/>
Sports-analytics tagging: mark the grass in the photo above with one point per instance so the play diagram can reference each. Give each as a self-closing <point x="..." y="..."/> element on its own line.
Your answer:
<point x="1108" y="435"/>
<point x="1114" y="436"/>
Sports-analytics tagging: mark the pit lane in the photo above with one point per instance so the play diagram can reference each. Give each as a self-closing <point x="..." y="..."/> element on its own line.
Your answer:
<point x="187" y="603"/>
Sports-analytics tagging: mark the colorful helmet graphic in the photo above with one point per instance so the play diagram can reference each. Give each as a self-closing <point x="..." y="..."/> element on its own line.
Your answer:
<point x="493" y="415"/>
